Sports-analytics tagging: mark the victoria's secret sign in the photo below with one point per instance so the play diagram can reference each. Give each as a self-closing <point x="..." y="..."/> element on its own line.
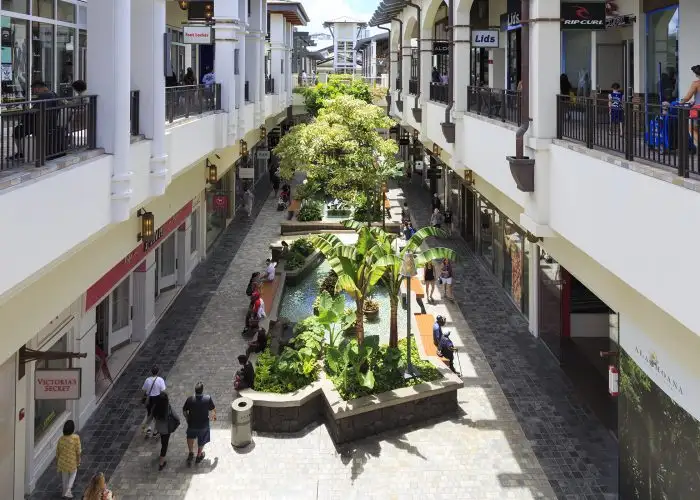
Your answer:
<point x="102" y="287"/>
<point x="57" y="384"/>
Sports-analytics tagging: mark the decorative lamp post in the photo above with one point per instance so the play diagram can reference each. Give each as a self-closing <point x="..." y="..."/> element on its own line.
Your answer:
<point x="408" y="270"/>
<point x="384" y="190"/>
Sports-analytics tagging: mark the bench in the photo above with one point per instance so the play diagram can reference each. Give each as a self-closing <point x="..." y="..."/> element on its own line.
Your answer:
<point x="293" y="208"/>
<point x="269" y="289"/>
<point x="425" y="328"/>
<point x="416" y="289"/>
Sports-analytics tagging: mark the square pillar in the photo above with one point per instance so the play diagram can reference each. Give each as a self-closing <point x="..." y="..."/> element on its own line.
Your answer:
<point x="225" y="33"/>
<point x="545" y="52"/>
<point x="277" y="52"/>
<point x="148" y="77"/>
<point x="461" y="51"/>
<point x="241" y="77"/>
<point x="109" y="77"/>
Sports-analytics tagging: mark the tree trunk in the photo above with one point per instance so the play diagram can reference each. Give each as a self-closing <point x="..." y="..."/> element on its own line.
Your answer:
<point x="360" y="321"/>
<point x="393" y="322"/>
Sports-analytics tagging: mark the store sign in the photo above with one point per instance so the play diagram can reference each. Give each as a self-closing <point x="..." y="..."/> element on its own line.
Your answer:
<point x="583" y="16"/>
<point x="511" y="20"/>
<point x="220" y="203"/>
<point x="441" y="48"/>
<point x="57" y="383"/>
<point x="115" y="275"/>
<point x="418" y="167"/>
<point x="263" y="154"/>
<point x="485" y="39"/>
<point x="619" y="21"/>
<point x="197" y="34"/>
<point x="246" y="173"/>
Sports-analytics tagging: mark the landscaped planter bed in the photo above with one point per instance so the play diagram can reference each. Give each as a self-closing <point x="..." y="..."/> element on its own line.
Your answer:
<point x="296" y="227"/>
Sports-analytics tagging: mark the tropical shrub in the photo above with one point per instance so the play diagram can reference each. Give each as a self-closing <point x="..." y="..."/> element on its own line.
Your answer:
<point x="328" y="282"/>
<point x="311" y="210"/>
<point x="302" y="246"/>
<point x="294" y="261"/>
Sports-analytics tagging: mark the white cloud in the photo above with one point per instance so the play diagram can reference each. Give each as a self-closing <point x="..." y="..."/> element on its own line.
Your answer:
<point x="320" y="11"/>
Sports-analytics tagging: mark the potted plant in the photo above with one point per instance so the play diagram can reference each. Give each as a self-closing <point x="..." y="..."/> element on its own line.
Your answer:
<point x="371" y="308"/>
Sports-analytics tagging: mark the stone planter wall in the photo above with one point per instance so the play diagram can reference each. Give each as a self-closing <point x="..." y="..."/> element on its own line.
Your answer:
<point x="295" y="276"/>
<point x="293" y="226"/>
<point x="288" y="418"/>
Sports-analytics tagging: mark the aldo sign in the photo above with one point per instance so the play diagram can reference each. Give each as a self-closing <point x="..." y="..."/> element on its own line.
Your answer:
<point x="485" y="38"/>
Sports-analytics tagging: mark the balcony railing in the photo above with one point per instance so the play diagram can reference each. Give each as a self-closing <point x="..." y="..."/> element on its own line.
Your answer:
<point x="246" y="92"/>
<point x="413" y="86"/>
<point x="191" y="100"/>
<point x="134" y="115"/>
<point x="398" y="83"/>
<point x="655" y="133"/>
<point x="269" y="85"/>
<point x="499" y="104"/>
<point x="439" y="92"/>
<point x="35" y="132"/>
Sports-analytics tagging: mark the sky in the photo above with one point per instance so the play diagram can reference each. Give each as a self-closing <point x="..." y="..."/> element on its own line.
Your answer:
<point x="320" y="11"/>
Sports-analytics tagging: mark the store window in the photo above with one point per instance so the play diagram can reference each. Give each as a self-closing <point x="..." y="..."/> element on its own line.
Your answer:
<point x="19" y="6"/>
<point x="441" y="61"/>
<point x="65" y="57"/>
<point x="121" y="310"/>
<point x="662" y="54"/>
<point x="42" y="53"/>
<point x="177" y="53"/>
<point x="15" y="59"/>
<point x="65" y="12"/>
<point x="194" y="230"/>
<point x="42" y="8"/>
<point x="82" y="55"/>
<point x="48" y="411"/>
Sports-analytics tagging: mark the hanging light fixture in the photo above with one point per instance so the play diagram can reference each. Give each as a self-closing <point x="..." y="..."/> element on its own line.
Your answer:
<point x="244" y="148"/>
<point x="147" y="226"/>
<point x="184" y="4"/>
<point x="212" y="173"/>
<point x="436" y="149"/>
<point x="209" y="10"/>
<point x="263" y="131"/>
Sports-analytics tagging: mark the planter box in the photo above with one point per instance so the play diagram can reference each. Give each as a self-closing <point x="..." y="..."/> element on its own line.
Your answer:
<point x="294" y="227"/>
<point x="295" y="276"/>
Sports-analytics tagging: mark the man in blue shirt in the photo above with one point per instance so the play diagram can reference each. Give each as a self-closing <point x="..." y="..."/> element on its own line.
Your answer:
<point x="437" y="330"/>
<point x="447" y="350"/>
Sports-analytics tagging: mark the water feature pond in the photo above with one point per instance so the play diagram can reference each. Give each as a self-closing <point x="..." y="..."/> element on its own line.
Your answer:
<point x="297" y="304"/>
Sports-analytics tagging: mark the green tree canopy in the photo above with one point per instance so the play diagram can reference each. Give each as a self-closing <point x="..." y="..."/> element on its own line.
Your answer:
<point x="316" y="96"/>
<point x="340" y="150"/>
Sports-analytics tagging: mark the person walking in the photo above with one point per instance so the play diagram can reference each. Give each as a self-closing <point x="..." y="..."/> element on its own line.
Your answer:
<point x="68" y="452"/>
<point x="447" y="350"/>
<point x="429" y="279"/>
<point x="166" y="423"/>
<point x="248" y="199"/>
<point x="198" y="411"/>
<point x="275" y="179"/>
<point x="97" y="489"/>
<point x="152" y="387"/>
<point x="435" y="202"/>
<point x="436" y="218"/>
<point x="446" y="279"/>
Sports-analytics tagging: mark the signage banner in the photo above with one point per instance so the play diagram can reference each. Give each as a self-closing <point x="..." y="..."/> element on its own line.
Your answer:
<point x="220" y="202"/>
<point x="512" y="20"/>
<point x="197" y="34"/>
<point x="583" y="16"/>
<point x="441" y="48"/>
<point x="57" y="383"/>
<point x="485" y="38"/>
<point x="103" y="286"/>
<point x="246" y="173"/>
<point x="612" y="22"/>
<point x="263" y="154"/>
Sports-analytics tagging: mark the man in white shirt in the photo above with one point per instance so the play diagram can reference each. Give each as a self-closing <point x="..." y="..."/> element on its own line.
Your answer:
<point x="152" y="387"/>
<point x="270" y="270"/>
<point x="208" y="79"/>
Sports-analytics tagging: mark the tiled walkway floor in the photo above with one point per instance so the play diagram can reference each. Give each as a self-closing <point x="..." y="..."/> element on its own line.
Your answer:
<point x="482" y="453"/>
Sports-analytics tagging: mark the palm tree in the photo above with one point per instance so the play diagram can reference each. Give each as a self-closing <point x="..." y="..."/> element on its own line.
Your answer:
<point x="356" y="268"/>
<point x="390" y="262"/>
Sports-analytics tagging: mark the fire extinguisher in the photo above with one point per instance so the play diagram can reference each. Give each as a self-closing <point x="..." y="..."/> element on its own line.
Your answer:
<point x="613" y="380"/>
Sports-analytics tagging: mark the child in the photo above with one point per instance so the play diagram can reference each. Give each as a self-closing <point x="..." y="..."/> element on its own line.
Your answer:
<point x="615" y="101"/>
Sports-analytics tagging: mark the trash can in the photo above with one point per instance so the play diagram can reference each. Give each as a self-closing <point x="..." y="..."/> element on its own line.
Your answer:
<point x="241" y="428"/>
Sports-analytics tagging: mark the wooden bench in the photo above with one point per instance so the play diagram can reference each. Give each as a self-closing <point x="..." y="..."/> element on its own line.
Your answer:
<point x="293" y="208"/>
<point x="425" y="328"/>
<point x="269" y="289"/>
<point x="416" y="288"/>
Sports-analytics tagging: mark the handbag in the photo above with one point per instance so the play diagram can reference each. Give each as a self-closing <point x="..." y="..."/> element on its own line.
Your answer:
<point x="144" y="398"/>
<point x="173" y="421"/>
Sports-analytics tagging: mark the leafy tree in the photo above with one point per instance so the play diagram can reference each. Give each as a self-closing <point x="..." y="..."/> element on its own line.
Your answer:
<point x="341" y="150"/>
<point x="315" y="97"/>
<point x="356" y="268"/>
<point x="390" y="262"/>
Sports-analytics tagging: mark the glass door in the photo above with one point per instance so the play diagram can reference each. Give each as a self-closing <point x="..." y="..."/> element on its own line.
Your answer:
<point x="168" y="264"/>
<point x="120" y="315"/>
<point x="156" y="291"/>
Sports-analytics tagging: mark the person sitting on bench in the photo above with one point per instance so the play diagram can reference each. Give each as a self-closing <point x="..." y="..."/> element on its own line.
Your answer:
<point x="258" y="345"/>
<point x="437" y="330"/>
<point x="28" y="124"/>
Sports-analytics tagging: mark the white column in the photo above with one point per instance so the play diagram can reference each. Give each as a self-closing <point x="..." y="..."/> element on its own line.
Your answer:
<point x="243" y="24"/>
<point x="640" y="51"/>
<point x="225" y="29"/>
<point x="288" y="63"/>
<point x="277" y="46"/>
<point x="461" y="51"/>
<point x="109" y="76"/>
<point x="254" y="63"/>
<point x="148" y="77"/>
<point x="533" y="297"/>
<point x="594" y="62"/>
<point x="688" y="43"/>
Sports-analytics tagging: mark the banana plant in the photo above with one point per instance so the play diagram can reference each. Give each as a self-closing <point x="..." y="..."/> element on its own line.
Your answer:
<point x="333" y="316"/>
<point x="390" y="260"/>
<point x="356" y="268"/>
<point x="352" y="359"/>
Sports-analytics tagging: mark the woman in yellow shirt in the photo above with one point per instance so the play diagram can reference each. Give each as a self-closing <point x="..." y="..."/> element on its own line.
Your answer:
<point x="68" y="452"/>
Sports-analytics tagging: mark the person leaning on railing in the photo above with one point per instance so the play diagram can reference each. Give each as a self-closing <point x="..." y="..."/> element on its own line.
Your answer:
<point x="28" y="121"/>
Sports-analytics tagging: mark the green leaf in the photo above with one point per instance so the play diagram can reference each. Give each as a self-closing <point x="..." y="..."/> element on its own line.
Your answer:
<point x="367" y="379"/>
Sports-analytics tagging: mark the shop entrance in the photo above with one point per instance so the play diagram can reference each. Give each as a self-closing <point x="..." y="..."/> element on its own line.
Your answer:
<point x="7" y="428"/>
<point x="480" y="67"/>
<point x="581" y="332"/>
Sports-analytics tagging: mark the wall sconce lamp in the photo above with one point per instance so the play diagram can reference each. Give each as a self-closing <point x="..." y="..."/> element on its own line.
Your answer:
<point x="263" y="131"/>
<point x="469" y="177"/>
<point x="436" y="150"/>
<point x="212" y="173"/>
<point x="415" y="135"/>
<point x="532" y="238"/>
<point x="243" y="148"/>
<point x="209" y="10"/>
<point x="147" y="226"/>
<point x="183" y="4"/>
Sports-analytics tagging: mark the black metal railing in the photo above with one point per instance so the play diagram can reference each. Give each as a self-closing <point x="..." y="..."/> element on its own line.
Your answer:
<point x="246" y="91"/>
<point x="191" y="100"/>
<point x="134" y="113"/>
<point x="413" y="86"/>
<point x="499" y="104"/>
<point x="439" y="92"/>
<point x="269" y="85"/>
<point x="37" y="131"/>
<point x="657" y="133"/>
<point x="398" y="83"/>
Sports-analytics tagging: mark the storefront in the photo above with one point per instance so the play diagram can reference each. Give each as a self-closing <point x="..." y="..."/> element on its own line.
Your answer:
<point x="510" y="23"/>
<point x="662" y="31"/>
<point x="499" y="243"/>
<point x="42" y="40"/>
<point x="218" y="206"/>
<point x="483" y="40"/>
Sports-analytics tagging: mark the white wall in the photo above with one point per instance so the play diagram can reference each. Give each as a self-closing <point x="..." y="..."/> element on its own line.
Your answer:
<point x="636" y="226"/>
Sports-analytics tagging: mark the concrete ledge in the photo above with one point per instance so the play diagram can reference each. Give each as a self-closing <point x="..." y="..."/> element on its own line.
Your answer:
<point x="295" y="276"/>
<point x="292" y="226"/>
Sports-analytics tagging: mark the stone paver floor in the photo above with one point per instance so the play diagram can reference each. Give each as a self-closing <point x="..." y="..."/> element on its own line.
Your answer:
<point x="484" y="452"/>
